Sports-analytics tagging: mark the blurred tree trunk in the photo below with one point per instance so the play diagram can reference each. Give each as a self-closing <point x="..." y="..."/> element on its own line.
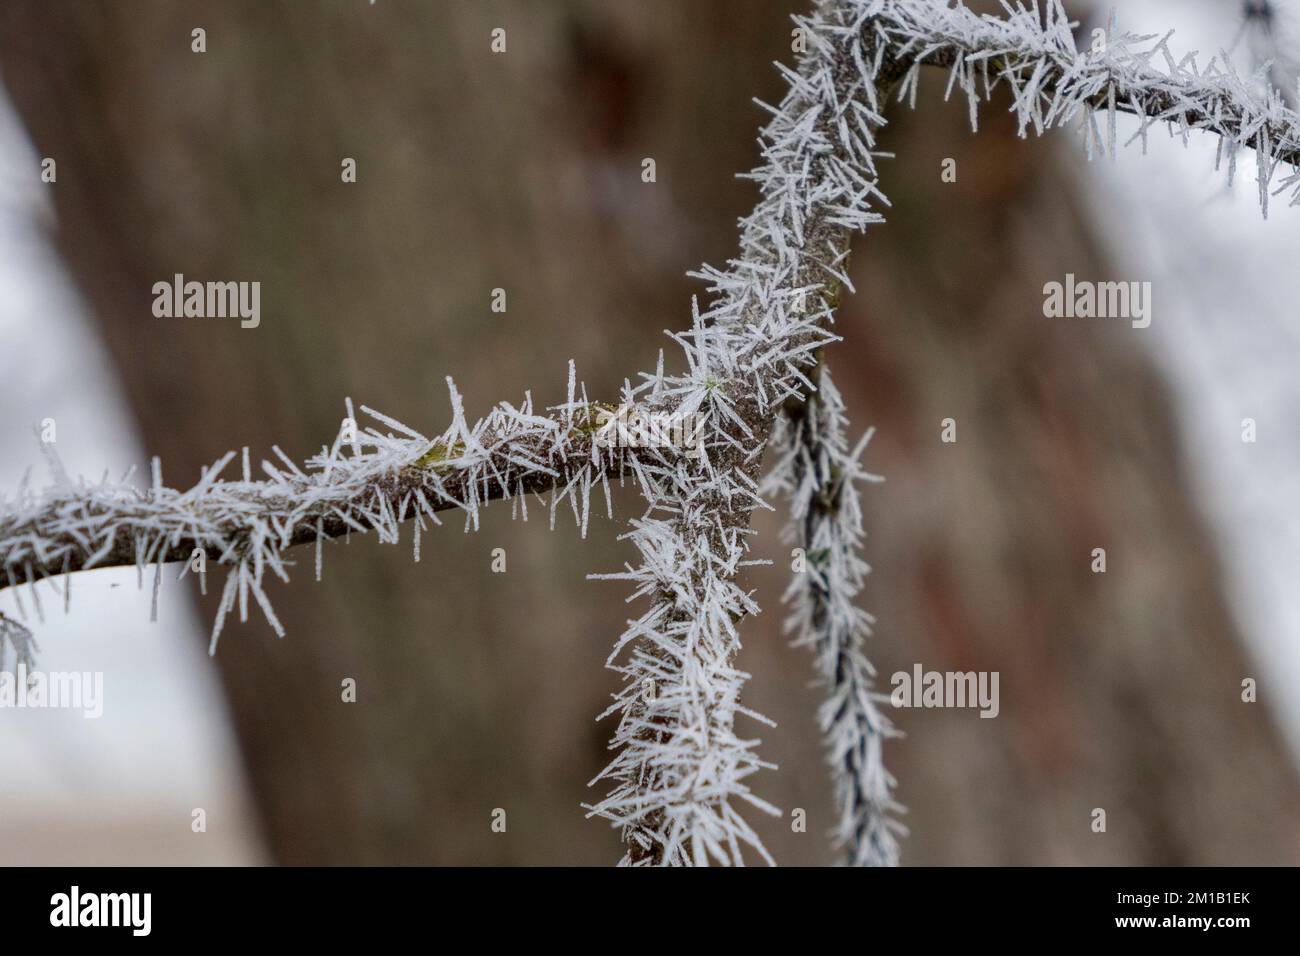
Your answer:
<point x="521" y="171"/>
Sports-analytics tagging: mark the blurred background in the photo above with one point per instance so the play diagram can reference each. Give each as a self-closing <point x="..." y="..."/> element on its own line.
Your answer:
<point x="522" y="171"/>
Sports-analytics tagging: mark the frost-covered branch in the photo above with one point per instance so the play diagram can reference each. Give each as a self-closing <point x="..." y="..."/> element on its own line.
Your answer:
<point x="370" y="479"/>
<point x="680" y="765"/>
<point x="820" y="475"/>
<point x="681" y="771"/>
<point x="1054" y="83"/>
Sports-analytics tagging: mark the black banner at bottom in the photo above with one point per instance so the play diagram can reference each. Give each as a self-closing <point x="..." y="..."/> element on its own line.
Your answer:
<point x="585" y="906"/>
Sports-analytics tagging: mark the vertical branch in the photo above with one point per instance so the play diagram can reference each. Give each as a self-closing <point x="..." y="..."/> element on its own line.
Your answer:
<point x="820" y="474"/>
<point x="680" y="771"/>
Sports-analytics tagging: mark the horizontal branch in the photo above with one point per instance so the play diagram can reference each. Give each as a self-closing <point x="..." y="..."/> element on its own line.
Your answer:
<point x="368" y="480"/>
<point x="389" y="478"/>
<point x="1054" y="83"/>
<point x="373" y="479"/>
<point x="81" y="527"/>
